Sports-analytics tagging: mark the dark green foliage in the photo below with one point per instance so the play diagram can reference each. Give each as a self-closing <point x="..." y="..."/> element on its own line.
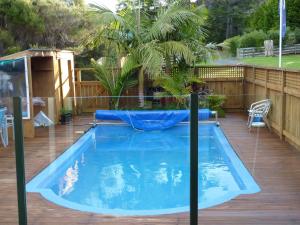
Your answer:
<point x="233" y="44"/>
<point x="41" y="23"/>
<point x="19" y="22"/>
<point x="227" y="18"/>
<point x="19" y="14"/>
<point x="293" y="10"/>
<point x="266" y="16"/>
<point x="297" y="34"/>
<point x="7" y="43"/>
<point x="215" y="103"/>
<point x="290" y="38"/>
<point x="178" y="84"/>
<point x="253" y="39"/>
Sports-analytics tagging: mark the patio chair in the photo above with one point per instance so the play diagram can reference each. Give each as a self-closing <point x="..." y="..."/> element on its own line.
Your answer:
<point x="258" y="114"/>
<point x="3" y="127"/>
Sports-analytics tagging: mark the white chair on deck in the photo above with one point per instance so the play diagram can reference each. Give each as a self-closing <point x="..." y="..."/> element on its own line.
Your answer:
<point x="258" y="114"/>
<point x="3" y="127"/>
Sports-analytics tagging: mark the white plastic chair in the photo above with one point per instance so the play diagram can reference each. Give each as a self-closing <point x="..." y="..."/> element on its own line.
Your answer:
<point x="3" y="127"/>
<point x="259" y="109"/>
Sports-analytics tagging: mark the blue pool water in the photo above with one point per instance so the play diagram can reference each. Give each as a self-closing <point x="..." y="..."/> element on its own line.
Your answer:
<point x="114" y="169"/>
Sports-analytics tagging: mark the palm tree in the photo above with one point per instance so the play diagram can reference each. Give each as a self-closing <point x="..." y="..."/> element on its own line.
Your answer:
<point x="178" y="85"/>
<point x="115" y="80"/>
<point x="153" y="43"/>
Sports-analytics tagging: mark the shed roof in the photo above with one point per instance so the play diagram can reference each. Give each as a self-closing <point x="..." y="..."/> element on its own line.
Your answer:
<point x="36" y="52"/>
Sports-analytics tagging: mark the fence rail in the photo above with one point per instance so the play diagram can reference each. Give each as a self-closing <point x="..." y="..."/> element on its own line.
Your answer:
<point x="260" y="51"/>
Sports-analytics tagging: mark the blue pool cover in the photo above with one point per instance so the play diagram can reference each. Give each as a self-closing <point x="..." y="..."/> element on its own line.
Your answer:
<point x="117" y="170"/>
<point x="150" y="119"/>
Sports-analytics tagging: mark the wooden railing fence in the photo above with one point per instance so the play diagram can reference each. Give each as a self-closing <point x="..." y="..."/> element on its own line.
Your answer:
<point x="260" y="51"/>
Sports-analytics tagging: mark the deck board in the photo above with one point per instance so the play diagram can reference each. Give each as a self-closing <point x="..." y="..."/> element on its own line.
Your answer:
<point x="274" y="164"/>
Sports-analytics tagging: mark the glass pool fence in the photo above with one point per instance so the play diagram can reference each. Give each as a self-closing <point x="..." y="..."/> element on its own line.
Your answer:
<point x="125" y="160"/>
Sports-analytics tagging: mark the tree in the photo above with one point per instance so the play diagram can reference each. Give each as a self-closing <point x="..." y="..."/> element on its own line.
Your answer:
<point x="115" y="80"/>
<point x="266" y="16"/>
<point x="178" y="85"/>
<point x="154" y="43"/>
<point x="64" y="24"/>
<point x="227" y="18"/>
<point x="41" y="23"/>
<point x="18" y="24"/>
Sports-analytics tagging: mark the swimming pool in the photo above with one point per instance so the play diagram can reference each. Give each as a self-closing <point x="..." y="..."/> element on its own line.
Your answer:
<point x="114" y="169"/>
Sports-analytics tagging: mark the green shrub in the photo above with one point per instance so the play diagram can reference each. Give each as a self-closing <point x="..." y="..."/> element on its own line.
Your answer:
<point x="253" y="39"/>
<point x="215" y="103"/>
<point x="297" y="35"/>
<point x="290" y="37"/>
<point x="233" y="44"/>
<point x="7" y="43"/>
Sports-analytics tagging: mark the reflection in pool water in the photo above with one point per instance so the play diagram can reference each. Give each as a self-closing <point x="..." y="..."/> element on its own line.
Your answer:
<point x="118" y="170"/>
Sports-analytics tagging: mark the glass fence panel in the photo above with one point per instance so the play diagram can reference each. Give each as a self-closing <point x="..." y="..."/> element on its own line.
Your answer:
<point x="108" y="160"/>
<point x="8" y="182"/>
<point x="93" y="157"/>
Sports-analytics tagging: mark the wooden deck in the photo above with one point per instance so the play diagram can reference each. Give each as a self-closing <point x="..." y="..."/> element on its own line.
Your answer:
<point x="274" y="164"/>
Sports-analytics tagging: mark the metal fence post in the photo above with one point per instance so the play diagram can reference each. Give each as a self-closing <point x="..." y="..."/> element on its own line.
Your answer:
<point x="20" y="168"/>
<point x="194" y="159"/>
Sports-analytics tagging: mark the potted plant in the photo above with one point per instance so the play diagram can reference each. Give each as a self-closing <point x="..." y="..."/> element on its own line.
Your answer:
<point x="65" y="116"/>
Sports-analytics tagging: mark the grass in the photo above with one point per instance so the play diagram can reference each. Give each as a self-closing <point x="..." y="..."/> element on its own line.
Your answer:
<point x="288" y="62"/>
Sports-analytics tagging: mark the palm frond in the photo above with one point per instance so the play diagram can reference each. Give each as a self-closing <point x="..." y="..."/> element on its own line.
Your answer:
<point x="168" y="21"/>
<point x="107" y="17"/>
<point x="150" y="57"/>
<point x="130" y="64"/>
<point x="179" y="49"/>
<point x="102" y="74"/>
<point x="194" y="79"/>
<point x="202" y="14"/>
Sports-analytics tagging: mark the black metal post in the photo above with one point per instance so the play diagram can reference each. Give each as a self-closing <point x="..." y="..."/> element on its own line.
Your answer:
<point x="194" y="160"/>
<point x="20" y="168"/>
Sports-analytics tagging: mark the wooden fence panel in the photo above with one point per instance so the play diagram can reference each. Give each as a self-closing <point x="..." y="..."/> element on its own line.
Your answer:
<point x="283" y="88"/>
<point x="292" y="120"/>
<point x="275" y="112"/>
<point x="90" y="96"/>
<point x="231" y="88"/>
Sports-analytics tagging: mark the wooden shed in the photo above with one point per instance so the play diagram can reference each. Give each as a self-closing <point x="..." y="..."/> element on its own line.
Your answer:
<point x="50" y="76"/>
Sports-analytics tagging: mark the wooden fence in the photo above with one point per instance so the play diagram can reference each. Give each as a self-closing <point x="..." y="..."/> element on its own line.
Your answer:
<point x="283" y="88"/>
<point x="260" y="51"/>
<point x="225" y="80"/>
<point x="242" y="85"/>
